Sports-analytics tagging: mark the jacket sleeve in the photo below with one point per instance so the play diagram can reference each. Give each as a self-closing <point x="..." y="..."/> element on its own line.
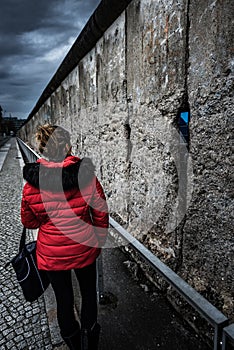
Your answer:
<point x="100" y="215"/>
<point x="28" y="218"/>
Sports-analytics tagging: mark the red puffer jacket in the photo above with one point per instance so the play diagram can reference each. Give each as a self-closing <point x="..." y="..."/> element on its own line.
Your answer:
<point x="66" y="202"/>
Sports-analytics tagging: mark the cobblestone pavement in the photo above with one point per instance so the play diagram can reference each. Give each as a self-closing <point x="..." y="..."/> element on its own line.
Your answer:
<point x="23" y="325"/>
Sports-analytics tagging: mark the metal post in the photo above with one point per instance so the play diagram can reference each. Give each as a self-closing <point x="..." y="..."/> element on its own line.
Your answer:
<point x="224" y="341"/>
<point x="100" y="282"/>
<point x="217" y="345"/>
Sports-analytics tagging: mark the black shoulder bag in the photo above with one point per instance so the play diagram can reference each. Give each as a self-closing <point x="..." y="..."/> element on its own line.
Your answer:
<point x="32" y="281"/>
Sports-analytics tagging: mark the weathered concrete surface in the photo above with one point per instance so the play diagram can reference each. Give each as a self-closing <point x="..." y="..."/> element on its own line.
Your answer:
<point x="156" y="82"/>
<point x="121" y="105"/>
<point x="208" y="247"/>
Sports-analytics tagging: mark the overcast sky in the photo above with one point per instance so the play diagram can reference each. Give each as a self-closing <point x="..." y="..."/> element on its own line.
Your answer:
<point x="35" y="36"/>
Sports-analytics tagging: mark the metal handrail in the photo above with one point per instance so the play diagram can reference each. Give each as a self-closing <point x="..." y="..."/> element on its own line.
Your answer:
<point x="29" y="155"/>
<point x="208" y="311"/>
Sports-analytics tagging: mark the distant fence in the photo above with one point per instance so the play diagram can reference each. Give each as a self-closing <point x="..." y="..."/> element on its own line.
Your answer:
<point x="223" y="333"/>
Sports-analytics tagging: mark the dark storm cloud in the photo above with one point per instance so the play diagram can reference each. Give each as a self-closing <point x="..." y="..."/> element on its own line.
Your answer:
<point x="34" y="38"/>
<point x="4" y="74"/>
<point x="24" y="15"/>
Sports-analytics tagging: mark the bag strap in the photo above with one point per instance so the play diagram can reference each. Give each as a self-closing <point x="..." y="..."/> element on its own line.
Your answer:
<point x="22" y="239"/>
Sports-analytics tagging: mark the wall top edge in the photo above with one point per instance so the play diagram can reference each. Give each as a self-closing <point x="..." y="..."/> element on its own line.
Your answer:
<point x="101" y="19"/>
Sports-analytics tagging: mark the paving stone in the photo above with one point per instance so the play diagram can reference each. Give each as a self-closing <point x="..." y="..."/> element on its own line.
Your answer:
<point x="10" y="337"/>
<point x="19" y="330"/>
<point x="3" y="326"/>
<point x="10" y="344"/>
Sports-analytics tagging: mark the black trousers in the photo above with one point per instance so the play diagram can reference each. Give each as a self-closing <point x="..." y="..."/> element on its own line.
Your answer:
<point x="62" y="285"/>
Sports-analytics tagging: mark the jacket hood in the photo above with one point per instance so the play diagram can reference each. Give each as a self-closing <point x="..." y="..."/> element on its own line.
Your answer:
<point x="71" y="173"/>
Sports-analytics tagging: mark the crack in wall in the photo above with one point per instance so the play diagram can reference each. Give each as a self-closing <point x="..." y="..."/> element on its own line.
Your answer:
<point x="184" y="107"/>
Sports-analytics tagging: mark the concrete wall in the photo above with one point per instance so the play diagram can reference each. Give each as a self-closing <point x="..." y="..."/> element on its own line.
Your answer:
<point x="121" y="105"/>
<point x="208" y="248"/>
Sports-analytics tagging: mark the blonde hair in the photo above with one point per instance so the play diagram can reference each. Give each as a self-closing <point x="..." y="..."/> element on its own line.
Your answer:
<point x="53" y="141"/>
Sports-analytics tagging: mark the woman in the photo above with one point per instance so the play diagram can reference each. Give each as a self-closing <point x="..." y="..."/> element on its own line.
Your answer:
<point x="64" y="199"/>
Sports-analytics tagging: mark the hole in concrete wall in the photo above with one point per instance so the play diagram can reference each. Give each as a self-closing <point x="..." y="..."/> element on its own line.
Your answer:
<point x="127" y="131"/>
<point x="183" y="123"/>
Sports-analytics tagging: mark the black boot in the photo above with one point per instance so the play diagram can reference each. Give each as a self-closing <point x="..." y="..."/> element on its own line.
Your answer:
<point x="73" y="341"/>
<point x="90" y="337"/>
